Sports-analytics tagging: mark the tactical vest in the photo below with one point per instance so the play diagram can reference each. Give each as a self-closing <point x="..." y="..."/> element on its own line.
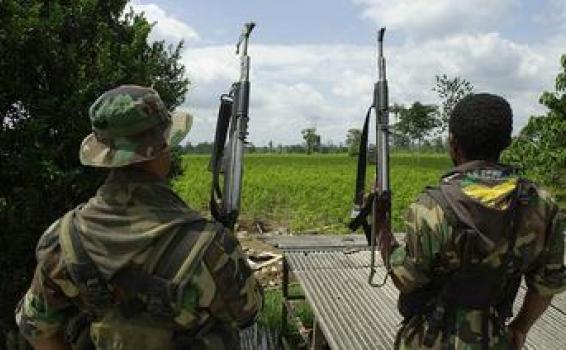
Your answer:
<point x="134" y="309"/>
<point x="474" y="285"/>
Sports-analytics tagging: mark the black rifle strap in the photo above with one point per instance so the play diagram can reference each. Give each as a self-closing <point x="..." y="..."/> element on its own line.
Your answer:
<point x="362" y="162"/>
<point x="216" y="161"/>
<point x="364" y="208"/>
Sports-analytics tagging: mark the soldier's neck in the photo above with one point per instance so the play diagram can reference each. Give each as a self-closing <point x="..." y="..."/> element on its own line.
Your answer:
<point x="154" y="169"/>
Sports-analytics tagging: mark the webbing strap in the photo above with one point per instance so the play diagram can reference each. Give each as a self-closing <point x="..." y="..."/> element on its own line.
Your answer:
<point x="185" y="239"/>
<point x="83" y="270"/>
<point x="159" y="289"/>
<point x="165" y="284"/>
<point x="159" y="293"/>
<point x="441" y="200"/>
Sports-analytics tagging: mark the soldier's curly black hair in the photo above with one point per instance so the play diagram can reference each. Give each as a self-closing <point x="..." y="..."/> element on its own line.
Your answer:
<point x="482" y="125"/>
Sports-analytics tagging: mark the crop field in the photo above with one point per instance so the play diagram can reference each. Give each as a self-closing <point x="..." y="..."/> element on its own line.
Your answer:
<point x="309" y="193"/>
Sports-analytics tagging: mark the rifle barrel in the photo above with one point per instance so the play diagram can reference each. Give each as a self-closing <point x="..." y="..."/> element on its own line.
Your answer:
<point x="382" y="125"/>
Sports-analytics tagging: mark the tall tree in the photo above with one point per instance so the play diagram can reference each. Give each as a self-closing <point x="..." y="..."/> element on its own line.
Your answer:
<point x="353" y="140"/>
<point x="312" y="139"/>
<point x="56" y="58"/>
<point x="417" y="122"/>
<point x="450" y="91"/>
<point x="540" y="147"/>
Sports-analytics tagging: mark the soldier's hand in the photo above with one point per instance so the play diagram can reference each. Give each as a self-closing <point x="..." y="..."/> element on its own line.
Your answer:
<point x="517" y="338"/>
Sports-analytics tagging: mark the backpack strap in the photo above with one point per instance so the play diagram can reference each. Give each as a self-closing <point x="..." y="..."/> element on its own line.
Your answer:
<point x="440" y="199"/>
<point x="81" y="268"/>
<point x="160" y="289"/>
<point x="164" y="285"/>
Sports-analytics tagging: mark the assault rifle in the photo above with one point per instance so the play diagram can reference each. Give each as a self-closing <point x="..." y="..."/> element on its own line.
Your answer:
<point x="228" y="157"/>
<point x="378" y="203"/>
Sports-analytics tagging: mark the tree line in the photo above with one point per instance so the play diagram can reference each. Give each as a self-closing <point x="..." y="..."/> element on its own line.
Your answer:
<point x="418" y="126"/>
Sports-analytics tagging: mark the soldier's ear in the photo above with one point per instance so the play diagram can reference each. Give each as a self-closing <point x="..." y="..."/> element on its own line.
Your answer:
<point x="453" y="148"/>
<point x="451" y="140"/>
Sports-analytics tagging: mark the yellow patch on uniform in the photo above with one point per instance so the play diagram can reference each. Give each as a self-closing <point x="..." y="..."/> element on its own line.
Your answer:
<point x="489" y="195"/>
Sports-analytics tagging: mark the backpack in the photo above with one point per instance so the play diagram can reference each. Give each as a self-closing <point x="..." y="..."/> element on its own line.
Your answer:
<point x="141" y="317"/>
<point x="439" y="299"/>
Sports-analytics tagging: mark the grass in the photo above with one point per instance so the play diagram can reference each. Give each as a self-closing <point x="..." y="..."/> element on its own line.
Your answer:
<point x="271" y="315"/>
<point x="307" y="193"/>
<point x="310" y="193"/>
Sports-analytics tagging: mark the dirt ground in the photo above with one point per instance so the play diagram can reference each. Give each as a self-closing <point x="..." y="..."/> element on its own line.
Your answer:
<point x="266" y="258"/>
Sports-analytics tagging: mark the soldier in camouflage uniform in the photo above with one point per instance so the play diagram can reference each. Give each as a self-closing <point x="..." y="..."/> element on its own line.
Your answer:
<point x="470" y="240"/>
<point x="134" y="267"/>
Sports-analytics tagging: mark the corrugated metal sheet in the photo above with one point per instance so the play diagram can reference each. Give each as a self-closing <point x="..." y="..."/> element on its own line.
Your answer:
<point x="549" y="332"/>
<point x="257" y="337"/>
<point x="354" y="315"/>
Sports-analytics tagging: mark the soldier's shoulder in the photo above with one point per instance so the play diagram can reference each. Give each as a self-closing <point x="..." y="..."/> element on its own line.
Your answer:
<point x="223" y="237"/>
<point x="539" y="196"/>
<point x="427" y="203"/>
<point x="48" y="243"/>
<point x="425" y="198"/>
<point x="425" y="212"/>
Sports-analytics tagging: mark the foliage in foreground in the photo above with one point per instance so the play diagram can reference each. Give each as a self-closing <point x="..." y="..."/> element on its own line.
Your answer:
<point x="57" y="57"/>
<point x="540" y="147"/>
<point x="310" y="193"/>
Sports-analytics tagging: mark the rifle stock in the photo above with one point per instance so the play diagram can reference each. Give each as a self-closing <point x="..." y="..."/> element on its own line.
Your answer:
<point x="230" y="140"/>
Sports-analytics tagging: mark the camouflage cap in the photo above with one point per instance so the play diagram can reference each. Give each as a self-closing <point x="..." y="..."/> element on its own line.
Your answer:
<point x="130" y="124"/>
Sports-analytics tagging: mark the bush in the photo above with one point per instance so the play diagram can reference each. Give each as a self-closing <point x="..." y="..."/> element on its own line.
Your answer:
<point x="57" y="57"/>
<point x="540" y="148"/>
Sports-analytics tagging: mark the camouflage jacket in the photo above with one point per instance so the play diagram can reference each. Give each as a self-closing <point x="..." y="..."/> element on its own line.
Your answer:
<point x="430" y="250"/>
<point x="130" y="222"/>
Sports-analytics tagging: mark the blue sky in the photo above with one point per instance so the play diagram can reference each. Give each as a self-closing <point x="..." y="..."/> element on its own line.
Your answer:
<point x="313" y="62"/>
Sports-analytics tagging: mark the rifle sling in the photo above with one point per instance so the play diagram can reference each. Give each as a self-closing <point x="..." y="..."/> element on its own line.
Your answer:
<point x="222" y="125"/>
<point x="365" y="208"/>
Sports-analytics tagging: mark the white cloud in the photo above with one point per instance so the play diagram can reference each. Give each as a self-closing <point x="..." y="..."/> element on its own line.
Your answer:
<point x="166" y="26"/>
<point x="554" y="13"/>
<point x="330" y="86"/>
<point x="433" y="18"/>
<point x="294" y="87"/>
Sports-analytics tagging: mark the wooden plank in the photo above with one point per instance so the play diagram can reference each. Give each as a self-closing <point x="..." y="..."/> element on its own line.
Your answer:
<point x="314" y="241"/>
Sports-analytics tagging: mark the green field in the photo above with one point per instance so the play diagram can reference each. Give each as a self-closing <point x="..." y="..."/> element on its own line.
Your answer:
<point x="309" y="193"/>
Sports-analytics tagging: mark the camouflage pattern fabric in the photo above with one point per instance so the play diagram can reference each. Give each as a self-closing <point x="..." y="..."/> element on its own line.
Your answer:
<point x="430" y="249"/>
<point x="130" y="222"/>
<point x="130" y="124"/>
